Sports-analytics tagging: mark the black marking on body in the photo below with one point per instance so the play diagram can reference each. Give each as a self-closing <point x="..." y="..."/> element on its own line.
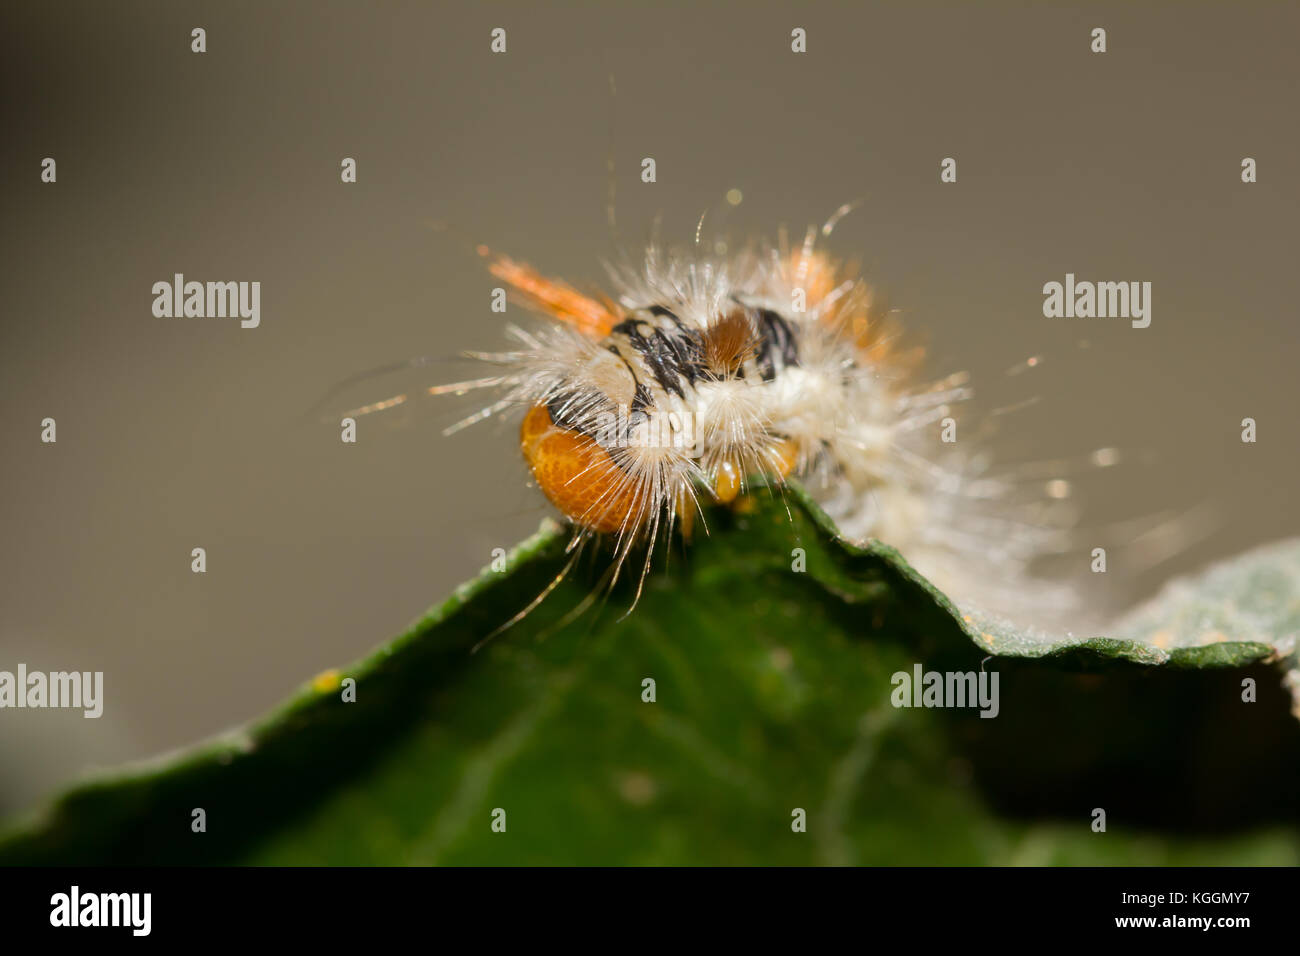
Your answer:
<point x="585" y="411"/>
<point x="777" y="347"/>
<point x="673" y="353"/>
<point x="561" y="407"/>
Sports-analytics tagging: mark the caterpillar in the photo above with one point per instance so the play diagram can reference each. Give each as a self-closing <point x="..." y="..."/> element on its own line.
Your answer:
<point x="704" y="371"/>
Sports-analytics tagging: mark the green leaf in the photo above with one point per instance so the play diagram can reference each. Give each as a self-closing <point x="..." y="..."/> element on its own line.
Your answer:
<point x="772" y="695"/>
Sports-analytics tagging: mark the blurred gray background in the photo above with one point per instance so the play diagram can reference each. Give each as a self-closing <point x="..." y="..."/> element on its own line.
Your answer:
<point x="183" y="433"/>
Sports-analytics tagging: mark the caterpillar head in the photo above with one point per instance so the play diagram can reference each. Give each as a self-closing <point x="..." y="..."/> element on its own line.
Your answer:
<point x="577" y="474"/>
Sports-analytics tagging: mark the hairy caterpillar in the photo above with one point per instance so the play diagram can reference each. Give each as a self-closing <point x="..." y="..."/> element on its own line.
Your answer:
<point x="703" y="371"/>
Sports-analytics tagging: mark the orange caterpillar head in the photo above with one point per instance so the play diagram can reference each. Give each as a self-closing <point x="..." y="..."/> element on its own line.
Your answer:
<point x="577" y="474"/>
